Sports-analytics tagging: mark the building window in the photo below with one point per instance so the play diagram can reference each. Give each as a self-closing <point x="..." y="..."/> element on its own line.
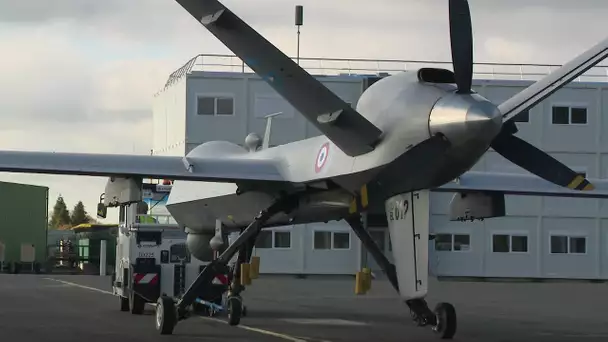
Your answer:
<point x="322" y="240"/>
<point x="273" y="239"/>
<point x="452" y="242"/>
<point x="341" y="240"/>
<point x="506" y="243"/>
<point x="379" y="238"/>
<point x="264" y="239"/>
<point x="562" y="244"/>
<point x="522" y="117"/>
<point x="282" y="239"/>
<point x="443" y="242"/>
<point x="564" y="115"/>
<point x="331" y="240"/>
<point x="215" y="105"/>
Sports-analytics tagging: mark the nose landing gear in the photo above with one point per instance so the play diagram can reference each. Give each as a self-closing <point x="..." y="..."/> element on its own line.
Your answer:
<point x="407" y="215"/>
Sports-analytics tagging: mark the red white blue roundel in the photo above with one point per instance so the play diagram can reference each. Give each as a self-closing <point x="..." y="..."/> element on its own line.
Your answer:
<point x="322" y="157"/>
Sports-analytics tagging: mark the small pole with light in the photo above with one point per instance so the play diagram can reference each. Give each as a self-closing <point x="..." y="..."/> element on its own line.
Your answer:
<point x="299" y="22"/>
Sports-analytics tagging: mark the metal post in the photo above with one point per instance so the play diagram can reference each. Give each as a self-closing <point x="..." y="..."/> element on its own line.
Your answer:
<point x="102" y="257"/>
<point x="298" y="53"/>
<point x="299" y="22"/>
<point x="365" y="253"/>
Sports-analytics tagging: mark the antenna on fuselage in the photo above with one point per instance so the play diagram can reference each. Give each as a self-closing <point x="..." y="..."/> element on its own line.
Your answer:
<point x="266" y="141"/>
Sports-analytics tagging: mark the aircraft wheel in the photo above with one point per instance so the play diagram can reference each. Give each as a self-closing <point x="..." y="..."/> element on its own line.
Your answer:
<point x="124" y="303"/>
<point x="166" y="315"/>
<point x="138" y="304"/>
<point x="445" y="315"/>
<point x="235" y="309"/>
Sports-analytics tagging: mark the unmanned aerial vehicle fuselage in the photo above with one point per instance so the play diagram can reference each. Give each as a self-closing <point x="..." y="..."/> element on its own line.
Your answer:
<point x="430" y="136"/>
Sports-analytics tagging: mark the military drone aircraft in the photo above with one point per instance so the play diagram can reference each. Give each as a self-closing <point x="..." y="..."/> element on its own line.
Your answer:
<point x="411" y="133"/>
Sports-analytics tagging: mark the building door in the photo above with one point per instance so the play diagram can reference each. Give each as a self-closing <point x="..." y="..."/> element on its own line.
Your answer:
<point x="382" y="238"/>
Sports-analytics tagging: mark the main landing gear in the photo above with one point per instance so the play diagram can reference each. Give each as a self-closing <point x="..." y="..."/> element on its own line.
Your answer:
<point x="411" y="272"/>
<point x="168" y="313"/>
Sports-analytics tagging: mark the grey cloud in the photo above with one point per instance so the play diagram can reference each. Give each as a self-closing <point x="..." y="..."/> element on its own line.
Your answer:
<point x="550" y="5"/>
<point x="37" y="11"/>
<point x="162" y="22"/>
<point x="82" y="10"/>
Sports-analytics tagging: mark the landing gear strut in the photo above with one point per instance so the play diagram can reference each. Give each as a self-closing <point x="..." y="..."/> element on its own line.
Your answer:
<point x="443" y="318"/>
<point x="168" y="313"/>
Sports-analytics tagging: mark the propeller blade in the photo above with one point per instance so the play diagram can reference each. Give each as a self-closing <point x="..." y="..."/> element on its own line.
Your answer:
<point x="538" y="162"/>
<point x="461" y="39"/>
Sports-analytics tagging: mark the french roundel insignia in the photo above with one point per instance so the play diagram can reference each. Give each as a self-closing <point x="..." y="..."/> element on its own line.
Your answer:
<point x="322" y="157"/>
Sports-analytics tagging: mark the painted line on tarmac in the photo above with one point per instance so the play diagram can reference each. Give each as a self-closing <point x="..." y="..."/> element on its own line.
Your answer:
<point x="258" y="330"/>
<point x="244" y="327"/>
<point x="81" y="286"/>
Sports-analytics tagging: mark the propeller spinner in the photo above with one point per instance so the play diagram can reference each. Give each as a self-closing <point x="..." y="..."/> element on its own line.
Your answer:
<point x="505" y="143"/>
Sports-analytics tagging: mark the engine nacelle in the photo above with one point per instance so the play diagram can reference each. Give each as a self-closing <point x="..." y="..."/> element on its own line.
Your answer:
<point x="473" y="206"/>
<point x="198" y="245"/>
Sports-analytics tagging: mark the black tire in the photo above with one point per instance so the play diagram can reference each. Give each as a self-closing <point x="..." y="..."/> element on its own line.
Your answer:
<point x="235" y="309"/>
<point x="124" y="304"/>
<point x="138" y="304"/>
<point x="166" y="315"/>
<point x="244" y="313"/>
<point x="414" y="316"/>
<point x="446" y="320"/>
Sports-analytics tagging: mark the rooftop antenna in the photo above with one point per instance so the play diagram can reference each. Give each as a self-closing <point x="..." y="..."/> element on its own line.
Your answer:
<point x="266" y="141"/>
<point x="299" y="22"/>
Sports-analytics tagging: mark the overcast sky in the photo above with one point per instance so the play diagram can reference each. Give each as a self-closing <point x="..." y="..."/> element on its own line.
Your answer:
<point x="79" y="75"/>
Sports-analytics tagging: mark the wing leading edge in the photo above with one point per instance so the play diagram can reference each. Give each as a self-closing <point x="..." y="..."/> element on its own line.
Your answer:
<point x="542" y="89"/>
<point x="226" y="170"/>
<point x="517" y="184"/>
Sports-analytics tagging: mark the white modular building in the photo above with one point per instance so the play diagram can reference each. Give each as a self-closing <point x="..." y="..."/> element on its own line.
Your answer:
<point x="215" y="97"/>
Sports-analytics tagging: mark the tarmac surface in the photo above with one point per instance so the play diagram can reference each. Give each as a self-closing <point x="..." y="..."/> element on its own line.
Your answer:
<point x="70" y="308"/>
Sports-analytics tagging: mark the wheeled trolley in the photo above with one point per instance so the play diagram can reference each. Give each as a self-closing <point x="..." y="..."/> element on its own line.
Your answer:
<point x="215" y="300"/>
<point x="151" y="261"/>
<point x="169" y="312"/>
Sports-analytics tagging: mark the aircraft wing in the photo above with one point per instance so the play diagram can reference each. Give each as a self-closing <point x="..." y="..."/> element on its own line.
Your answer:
<point x="226" y="169"/>
<point x="337" y="120"/>
<point x="542" y="89"/>
<point x="518" y="184"/>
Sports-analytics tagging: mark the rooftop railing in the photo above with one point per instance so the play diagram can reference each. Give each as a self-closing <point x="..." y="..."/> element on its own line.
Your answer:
<point x="342" y="66"/>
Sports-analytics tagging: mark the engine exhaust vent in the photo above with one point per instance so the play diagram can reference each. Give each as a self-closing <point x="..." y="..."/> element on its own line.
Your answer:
<point x="434" y="75"/>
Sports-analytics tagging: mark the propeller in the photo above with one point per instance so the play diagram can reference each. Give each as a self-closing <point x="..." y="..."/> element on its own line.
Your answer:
<point x="521" y="153"/>
<point x="461" y="40"/>
<point x="505" y="143"/>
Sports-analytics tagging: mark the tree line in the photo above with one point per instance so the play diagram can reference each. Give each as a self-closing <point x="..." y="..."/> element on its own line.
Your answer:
<point x="61" y="218"/>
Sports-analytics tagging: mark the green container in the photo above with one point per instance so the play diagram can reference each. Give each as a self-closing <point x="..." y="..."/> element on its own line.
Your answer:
<point x="23" y="219"/>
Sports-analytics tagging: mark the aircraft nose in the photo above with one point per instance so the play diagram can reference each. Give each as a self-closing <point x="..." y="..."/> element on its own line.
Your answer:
<point x="483" y="121"/>
<point x="463" y="119"/>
